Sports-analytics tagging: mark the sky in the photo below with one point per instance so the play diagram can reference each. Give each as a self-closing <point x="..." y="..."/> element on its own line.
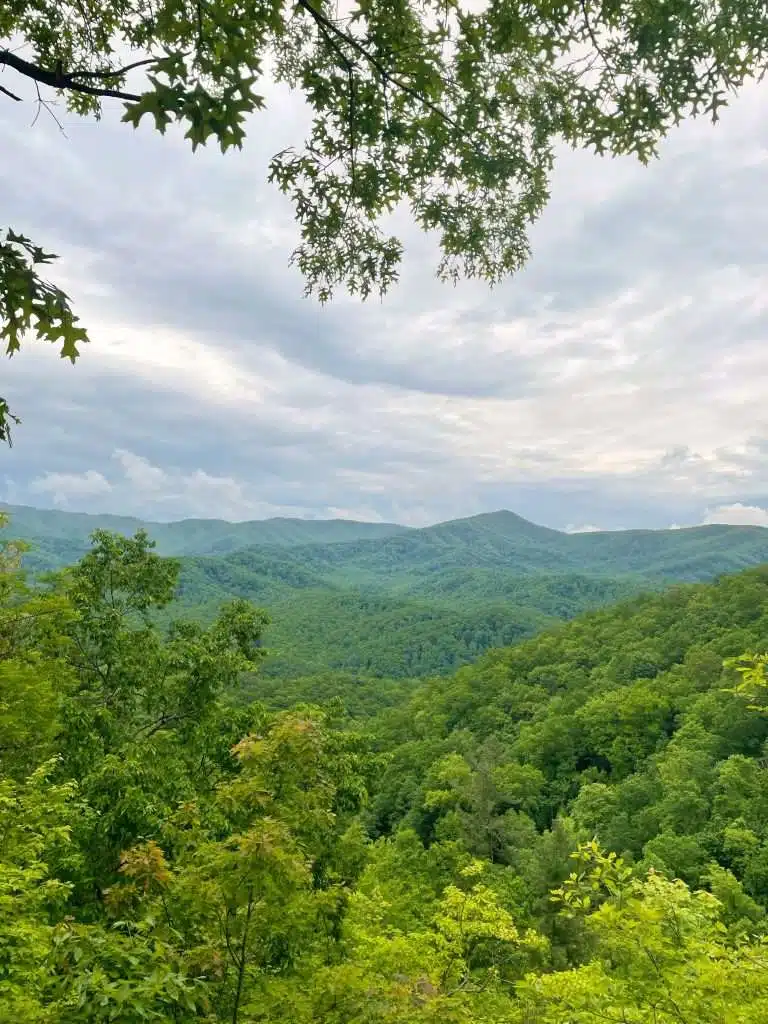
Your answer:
<point x="617" y="382"/>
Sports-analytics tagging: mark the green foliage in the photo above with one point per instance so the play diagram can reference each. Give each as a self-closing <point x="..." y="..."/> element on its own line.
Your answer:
<point x="753" y="682"/>
<point x="29" y="304"/>
<point x="383" y="636"/>
<point x="33" y="668"/>
<point x="662" y="955"/>
<point x="570" y="831"/>
<point x="34" y="820"/>
<point x="625" y="728"/>
<point x="483" y="801"/>
<point x="455" y="112"/>
<point x="134" y="681"/>
<point x="598" y="876"/>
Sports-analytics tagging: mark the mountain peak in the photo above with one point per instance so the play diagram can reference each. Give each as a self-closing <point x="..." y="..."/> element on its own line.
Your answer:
<point x="503" y="522"/>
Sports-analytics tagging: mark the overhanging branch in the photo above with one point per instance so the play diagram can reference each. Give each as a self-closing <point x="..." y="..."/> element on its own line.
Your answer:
<point x="59" y="79"/>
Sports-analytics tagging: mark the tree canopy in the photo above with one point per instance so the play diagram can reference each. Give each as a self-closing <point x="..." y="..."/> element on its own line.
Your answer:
<point x="451" y="108"/>
<point x="571" y="831"/>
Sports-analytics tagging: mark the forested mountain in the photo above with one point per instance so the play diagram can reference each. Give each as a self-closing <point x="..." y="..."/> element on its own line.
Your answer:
<point x="60" y="538"/>
<point x="572" y="830"/>
<point x="433" y="559"/>
<point x="408" y="602"/>
<point x="627" y="716"/>
<point x="399" y="558"/>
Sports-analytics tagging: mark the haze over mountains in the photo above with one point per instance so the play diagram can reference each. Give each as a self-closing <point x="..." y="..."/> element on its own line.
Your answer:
<point x="384" y="599"/>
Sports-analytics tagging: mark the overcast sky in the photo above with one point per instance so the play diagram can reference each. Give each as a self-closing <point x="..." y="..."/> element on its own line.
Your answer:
<point x="618" y="382"/>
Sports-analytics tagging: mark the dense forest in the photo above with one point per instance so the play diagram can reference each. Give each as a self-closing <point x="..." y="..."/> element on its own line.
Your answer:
<point x="383" y="600"/>
<point x="572" y="830"/>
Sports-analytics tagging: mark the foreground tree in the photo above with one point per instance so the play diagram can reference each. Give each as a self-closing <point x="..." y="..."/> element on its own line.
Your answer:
<point x="450" y="107"/>
<point x="661" y="955"/>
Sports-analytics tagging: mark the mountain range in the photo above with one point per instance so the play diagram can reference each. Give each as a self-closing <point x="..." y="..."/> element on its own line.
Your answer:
<point x="385" y="599"/>
<point x="61" y="537"/>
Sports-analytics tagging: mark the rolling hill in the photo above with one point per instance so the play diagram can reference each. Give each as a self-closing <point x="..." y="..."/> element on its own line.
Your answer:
<point x="382" y="599"/>
<point x="62" y="537"/>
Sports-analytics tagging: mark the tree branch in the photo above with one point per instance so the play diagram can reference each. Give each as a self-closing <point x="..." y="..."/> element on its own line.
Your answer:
<point x="350" y="69"/>
<point x="60" y="80"/>
<point x="7" y="92"/>
<point x="42" y="103"/>
<point x="596" y="44"/>
<point x="243" y="959"/>
<point x="118" y="72"/>
<point x="156" y="726"/>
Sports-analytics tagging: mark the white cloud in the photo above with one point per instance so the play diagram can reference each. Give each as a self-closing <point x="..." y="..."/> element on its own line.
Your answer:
<point x="64" y="488"/>
<point x="168" y="494"/>
<point x="737" y="515"/>
<point x="583" y="529"/>
<point x="141" y="473"/>
<point x="137" y="487"/>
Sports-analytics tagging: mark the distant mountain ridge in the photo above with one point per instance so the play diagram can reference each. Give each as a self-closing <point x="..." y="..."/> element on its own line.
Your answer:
<point x="397" y="601"/>
<point x="57" y="530"/>
<point x="504" y="541"/>
<point x="344" y="552"/>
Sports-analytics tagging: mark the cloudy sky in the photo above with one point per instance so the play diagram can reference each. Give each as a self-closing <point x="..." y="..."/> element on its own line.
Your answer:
<point x="618" y="382"/>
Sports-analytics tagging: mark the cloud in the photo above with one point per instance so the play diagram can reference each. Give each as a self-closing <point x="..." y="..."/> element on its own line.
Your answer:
<point x="65" y="487"/>
<point x="617" y="380"/>
<point x="737" y="514"/>
<point x="140" y="473"/>
<point x="137" y="487"/>
<point x="583" y="529"/>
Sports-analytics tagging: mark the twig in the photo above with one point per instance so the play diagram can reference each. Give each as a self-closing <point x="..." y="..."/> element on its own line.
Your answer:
<point x="117" y="72"/>
<point x="351" y="102"/>
<point x="596" y="44"/>
<point x="352" y="143"/>
<point x="328" y="26"/>
<point x="42" y="103"/>
<point x="39" y="105"/>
